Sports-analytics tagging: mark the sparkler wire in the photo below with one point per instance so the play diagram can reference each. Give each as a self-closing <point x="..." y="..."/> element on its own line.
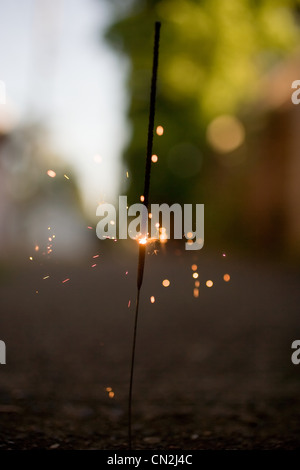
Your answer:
<point x="142" y="247"/>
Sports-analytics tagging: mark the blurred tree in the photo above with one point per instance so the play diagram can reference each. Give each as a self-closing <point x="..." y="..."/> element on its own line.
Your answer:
<point x="212" y="55"/>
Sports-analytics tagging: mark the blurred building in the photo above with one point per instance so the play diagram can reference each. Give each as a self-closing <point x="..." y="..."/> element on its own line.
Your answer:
<point x="31" y="201"/>
<point x="272" y="190"/>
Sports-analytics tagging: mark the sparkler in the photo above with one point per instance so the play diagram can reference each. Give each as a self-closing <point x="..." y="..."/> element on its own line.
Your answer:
<point x="142" y="246"/>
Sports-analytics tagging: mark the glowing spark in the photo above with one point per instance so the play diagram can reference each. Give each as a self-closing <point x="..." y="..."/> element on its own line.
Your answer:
<point x="46" y="277"/>
<point x="31" y="258"/>
<point x="159" y="130"/>
<point x="49" y="228"/>
<point x="112" y="222"/>
<point x="197" y="283"/>
<point x="51" y="173"/>
<point x="163" y="235"/>
<point x="96" y="256"/>
<point x="93" y="265"/>
<point x="209" y="283"/>
<point x="108" y="389"/>
<point x="224" y="254"/>
<point x="189" y="235"/>
<point x="150" y="215"/>
<point x="142" y="198"/>
<point x="194" y="267"/>
<point x="67" y="178"/>
<point x="126" y="273"/>
<point x="50" y="239"/>
<point x="36" y="291"/>
<point x="166" y="283"/>
<point x="36" y="248"/>
<point x="91" y="228"/>
<point x="143" y="241"/>
<point x="65" y="280"/>
<point x="226" y="277"/>
<point x="152" y="299"/>
<point x="53" y="236"/>
<point x="127" y="174"/>
<point x="196" y="293"/>
<point x="195" y="275"/>
<point x="111" y="394"/>
<point x="129" y="303"/>
<point x="154" y="158"/>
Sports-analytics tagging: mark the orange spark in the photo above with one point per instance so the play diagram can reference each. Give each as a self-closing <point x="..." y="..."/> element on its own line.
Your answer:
<point x="166" y="283"/>
<point x="159" y="130"/>
<point x="51" y="173"/>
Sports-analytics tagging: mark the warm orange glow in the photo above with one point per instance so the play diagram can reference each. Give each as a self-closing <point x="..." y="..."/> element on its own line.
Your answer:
<point x="142" y="198"/>
<point x="194" y="267"/>
<point x="150" y="215"/>
<point x="225" y="133"/>
<point x="209" y="283"/>
<point x="189" y="235"/>
<point x="159" y="130"/>
<point x="154" y="158"/>
<point x="65" y="280"/>
<point x="197" y="283"/>
<point x="111" y="394"/>
<point x="31" y="258"/>
<point x="195" y="275"/>
<point x="226" y="277"/>
<point x="163" y="235"/>
<point x="152" y="299"/>
<point x="36" y="248"/>
<point x="196" y="293"/>
<point x="143" y="241"/>
<point x="108" y="389"/>
<point x="51" y="173"/>
<point x="166" y="283"/>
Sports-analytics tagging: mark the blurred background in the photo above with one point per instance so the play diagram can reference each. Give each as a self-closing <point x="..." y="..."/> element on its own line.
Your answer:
<point x="213" y="353"/>
<point x="77" y="78"/>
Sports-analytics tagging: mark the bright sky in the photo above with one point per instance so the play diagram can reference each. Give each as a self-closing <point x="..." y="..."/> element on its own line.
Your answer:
<point x="56" y="66"/>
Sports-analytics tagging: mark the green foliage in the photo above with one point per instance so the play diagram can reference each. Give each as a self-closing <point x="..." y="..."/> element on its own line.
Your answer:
<point x="212" y="55"/>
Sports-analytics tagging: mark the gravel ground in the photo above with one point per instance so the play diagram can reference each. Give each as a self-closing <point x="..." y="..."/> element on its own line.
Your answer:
<point x="212" y="372"/>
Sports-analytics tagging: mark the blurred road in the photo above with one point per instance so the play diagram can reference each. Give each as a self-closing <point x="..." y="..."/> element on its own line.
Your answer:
<point x="212" y="372"/>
